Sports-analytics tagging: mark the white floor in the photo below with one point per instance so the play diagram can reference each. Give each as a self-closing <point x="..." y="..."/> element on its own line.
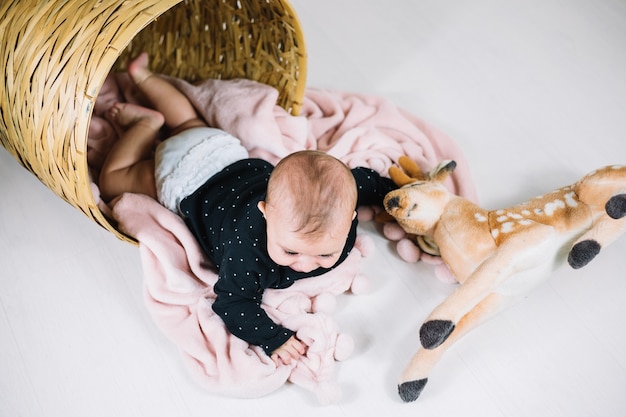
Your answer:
<point x="533" y="91"/>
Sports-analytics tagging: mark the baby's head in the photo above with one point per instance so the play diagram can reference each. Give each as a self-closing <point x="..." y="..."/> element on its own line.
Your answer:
<point x="309" y="208"/>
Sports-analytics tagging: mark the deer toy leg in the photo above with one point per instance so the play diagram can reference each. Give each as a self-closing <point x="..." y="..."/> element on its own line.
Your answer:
<point x="415" y="375"/>
<point x="513" y="268"/>
<point x="604" y="231"/>
<point x="603" y="192"/>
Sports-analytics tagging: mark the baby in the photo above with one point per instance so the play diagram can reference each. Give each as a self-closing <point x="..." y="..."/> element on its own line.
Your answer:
<point x="262" y="226"/>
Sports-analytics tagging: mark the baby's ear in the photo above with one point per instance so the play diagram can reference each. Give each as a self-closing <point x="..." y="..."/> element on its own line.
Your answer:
<point x="261" y="206"/>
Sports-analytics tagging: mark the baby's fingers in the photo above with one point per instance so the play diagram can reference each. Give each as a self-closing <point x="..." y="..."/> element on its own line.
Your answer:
<point x="299" y="347"/>
<point x="282" y="356"/>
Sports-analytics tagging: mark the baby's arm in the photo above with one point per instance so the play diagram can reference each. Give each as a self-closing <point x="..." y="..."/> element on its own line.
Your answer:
<point x="238" y="303"/>
<point x="292" y="349"/>
<point x="371" y="186"/>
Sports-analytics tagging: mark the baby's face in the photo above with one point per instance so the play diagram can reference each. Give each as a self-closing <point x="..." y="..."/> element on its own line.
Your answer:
<point x="300" y="252"/>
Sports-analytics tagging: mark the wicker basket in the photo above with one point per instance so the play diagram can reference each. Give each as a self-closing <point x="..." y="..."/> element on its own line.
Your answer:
<point x="58" y="53"/>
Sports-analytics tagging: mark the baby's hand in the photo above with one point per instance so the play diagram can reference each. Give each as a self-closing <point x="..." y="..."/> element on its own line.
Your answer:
<point x="291" y="350"/>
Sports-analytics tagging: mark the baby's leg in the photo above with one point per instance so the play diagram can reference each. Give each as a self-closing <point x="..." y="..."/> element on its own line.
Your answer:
<point x="129" y="165"/>
<point x="179" y="113"/>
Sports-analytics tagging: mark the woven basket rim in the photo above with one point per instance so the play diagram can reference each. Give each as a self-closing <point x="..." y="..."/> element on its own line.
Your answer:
<point x="45" y="124"/>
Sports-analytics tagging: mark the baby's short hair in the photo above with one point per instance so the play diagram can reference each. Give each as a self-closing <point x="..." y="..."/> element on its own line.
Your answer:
<point x="319" y="189"/>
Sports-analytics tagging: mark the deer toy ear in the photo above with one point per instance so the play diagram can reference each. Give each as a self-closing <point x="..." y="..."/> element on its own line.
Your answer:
<point x="407" y="173"/>
<point x="442" y="171"/>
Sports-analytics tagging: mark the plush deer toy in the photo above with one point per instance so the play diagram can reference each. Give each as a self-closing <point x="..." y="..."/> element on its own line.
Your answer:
<point x="498" y="256"/>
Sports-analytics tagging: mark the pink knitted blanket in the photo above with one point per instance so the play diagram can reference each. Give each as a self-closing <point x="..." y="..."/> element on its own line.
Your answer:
<point x="178" y="279"/>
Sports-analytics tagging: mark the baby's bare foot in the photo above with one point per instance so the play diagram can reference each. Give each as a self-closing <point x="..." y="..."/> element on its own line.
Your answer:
<point x="128" y="114"/>
<point x="138" y="68"/>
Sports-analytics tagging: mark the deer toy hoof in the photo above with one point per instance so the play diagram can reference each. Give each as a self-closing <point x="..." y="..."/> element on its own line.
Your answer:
<point x="434" y="332"/>
<point x="411" y="390"/>
<point x="582" y="253"/>
<point x="616" y="206"/>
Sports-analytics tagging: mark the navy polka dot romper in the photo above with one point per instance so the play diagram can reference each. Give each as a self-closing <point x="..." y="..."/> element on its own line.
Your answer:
<point x="223" y="216"/>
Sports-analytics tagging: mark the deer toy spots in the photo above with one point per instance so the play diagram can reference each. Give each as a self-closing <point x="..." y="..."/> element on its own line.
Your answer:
<point x="498" y="256"/>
